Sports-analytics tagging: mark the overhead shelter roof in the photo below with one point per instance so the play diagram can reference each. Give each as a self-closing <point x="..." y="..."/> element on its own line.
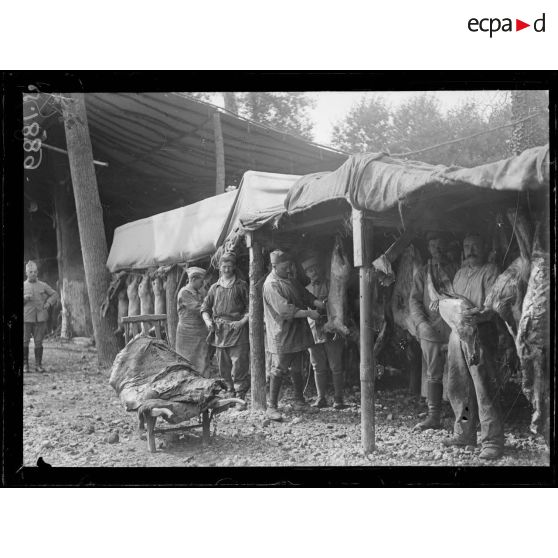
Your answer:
<point x="392" y="189"/>
<point x="182" y="235"/>
<point x="160" y="150"/>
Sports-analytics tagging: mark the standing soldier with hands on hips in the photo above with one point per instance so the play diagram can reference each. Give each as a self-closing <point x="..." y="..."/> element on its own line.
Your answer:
<point x="38" y="297"/>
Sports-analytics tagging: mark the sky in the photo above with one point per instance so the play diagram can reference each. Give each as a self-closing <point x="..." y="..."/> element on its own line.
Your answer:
<point x="332" y="106"/>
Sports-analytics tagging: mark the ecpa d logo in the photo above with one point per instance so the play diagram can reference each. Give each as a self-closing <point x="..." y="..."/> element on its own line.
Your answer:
<point x="492" y="25"/>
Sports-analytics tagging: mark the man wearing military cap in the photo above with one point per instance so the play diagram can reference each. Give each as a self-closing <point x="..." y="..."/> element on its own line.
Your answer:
<point x="286" y="309"/>
<point x="432" y="331"/>
<point x="327" y="351"/>
<point x="225" y="313"/>
<point x="38" y="297"/>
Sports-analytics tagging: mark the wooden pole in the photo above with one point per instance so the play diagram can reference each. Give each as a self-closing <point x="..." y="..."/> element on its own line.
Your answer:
<point x="256" y="320"/>
<point x="90" y="223"/>
<point x="362" y="244"/>
<point x="172" y="312"/>
<point x="219" y="154"/>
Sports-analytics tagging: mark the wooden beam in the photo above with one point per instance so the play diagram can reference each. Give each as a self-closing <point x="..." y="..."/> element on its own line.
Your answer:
<point x="172" y="312"/>
<point x="362" y="245"/>
<point x="219" y="154"/>
<point x="256" y="320"/>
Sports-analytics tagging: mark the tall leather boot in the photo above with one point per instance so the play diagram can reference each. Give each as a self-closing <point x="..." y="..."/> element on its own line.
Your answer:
<point x="274" y="388"/>
<point x="434" y="393"/>
<point x="39" y="359"/>
<point x="321" y="388"/>
<point x="25" y="360"/>
<point x="299" y="403"/>
<point x="338" y="385"/>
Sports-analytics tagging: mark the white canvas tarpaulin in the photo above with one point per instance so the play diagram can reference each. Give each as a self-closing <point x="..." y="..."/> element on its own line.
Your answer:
<point x="185" y="234"/>
<point x="260" y="194"/>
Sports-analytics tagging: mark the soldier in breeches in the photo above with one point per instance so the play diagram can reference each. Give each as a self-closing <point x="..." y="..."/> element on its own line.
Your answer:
<point x="432" y="331"/>
<point x="288" y="335"/>
<point x="38" y="297"/>
<point x="473" y="388"/>
<point x="326" y="351"/>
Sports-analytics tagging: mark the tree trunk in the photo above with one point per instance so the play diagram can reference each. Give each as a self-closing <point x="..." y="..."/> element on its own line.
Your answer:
<point x="172" y="312"/>
<point x="219" y="154"/>
<point x="90" y="223"/>
<point x="76" y="315"/>
<point x="256" y="317"/>
<point x="522" y="134"/>
<point x="230" y="102"/>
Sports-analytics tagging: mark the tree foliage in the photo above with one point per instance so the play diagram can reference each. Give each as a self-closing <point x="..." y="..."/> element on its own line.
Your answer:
<point x="285" y="111"/>
<point x="419" y="123"/>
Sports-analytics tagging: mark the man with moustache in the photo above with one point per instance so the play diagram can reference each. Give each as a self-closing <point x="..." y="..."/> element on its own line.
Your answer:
<point x="432" y="331"/>
<point x="473" y="388"/>
<point x="286" y="309"/>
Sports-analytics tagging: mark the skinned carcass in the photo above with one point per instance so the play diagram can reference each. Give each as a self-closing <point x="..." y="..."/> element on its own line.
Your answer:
<point x="337" y="298"/>
<point x="146" y="298"/>
<point x="155" y="381"/>
<point x="157" y="286"/>
<point x="506" y="295"/>
<point x="134" y="305"/>
<point x="122" y="309"/>
<point x="532" y="343"/>
<point x="453" y="308"/>
<point x="408" y="266"/>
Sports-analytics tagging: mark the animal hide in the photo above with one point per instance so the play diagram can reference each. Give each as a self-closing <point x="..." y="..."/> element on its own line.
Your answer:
<point x="451" y="309"/>
<point x="122" y="308"/>
<point x="147" y="369"/>
<point x="134" y="307"/>
<point x="337" y="298"/>
<point x="409" y="264"/>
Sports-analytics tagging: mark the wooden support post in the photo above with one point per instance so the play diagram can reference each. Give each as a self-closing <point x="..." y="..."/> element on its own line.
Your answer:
<point x="90" y="223"/>
<point x="219" y="154"/>
<point x="172" y="312"/>
<point x="256" y="317"/>
<point x="206" y="433"/>
<point x="362" y="259"/>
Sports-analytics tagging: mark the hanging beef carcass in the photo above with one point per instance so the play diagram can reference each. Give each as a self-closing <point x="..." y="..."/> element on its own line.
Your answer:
<point x="506" y="295"/>
<point x="409" y="264"/>
<point x="134" y="306"/>
<point x="452" y="308"/>
<point x="157" y="286"/>
<point x="337" y="298"/>
<point x="122" y="307"/>
<point x="146" y="298"/>
<point x="533" y="340"/>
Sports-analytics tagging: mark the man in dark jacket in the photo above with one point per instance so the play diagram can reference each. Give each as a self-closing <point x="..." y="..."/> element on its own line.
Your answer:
<point x="38" y="297"/>
<point x="432" y="331"/>
<point x="225" y="313"/>
<point x="288" y="335"/>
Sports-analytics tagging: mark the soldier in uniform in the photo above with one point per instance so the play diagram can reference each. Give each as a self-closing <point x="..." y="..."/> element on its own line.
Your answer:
<point x="38" y="297"/>
<point x="432" y="331"/>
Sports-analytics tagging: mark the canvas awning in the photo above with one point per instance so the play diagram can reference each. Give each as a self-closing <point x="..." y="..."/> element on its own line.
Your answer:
<point x="182" y="235"/>
<point x="378" y="183"/>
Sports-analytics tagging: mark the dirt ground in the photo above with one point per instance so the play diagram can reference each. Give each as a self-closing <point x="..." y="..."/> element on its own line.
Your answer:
<point x="71" y="416"/>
